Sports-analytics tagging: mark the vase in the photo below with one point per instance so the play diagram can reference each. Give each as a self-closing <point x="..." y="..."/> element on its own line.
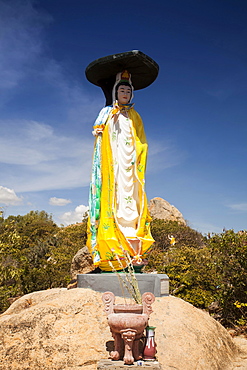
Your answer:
<point x="150" y="345"/>
<point x="127" y="323"/>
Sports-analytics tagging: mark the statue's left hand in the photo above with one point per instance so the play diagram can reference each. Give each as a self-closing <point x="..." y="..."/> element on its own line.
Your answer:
<point x="97" y="131"/>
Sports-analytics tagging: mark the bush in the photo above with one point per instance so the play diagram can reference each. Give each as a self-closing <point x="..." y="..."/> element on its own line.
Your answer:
<point x="162" y="232"/>
<point x="229" y="256"/>
<point x="206" y="271"/>
<point x="68" y="241"/>
<point x="35" y="254"/>
<point x="203" y="270"/>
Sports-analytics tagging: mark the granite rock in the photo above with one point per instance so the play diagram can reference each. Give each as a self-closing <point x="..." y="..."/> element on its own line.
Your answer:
<point x="161" y="209"/>
<point x="82" y="263"/>
<point x="61" y="329"/>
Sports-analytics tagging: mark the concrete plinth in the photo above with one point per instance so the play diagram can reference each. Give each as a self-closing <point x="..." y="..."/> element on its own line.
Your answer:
<point x="158" y="284"/>
<point x="119" y="365"/>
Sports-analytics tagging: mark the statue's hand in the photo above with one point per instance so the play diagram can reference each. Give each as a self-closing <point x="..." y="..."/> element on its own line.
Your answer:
<point x="97" y="131"/>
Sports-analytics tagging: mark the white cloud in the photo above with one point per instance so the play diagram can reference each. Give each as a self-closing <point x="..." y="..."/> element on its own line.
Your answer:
<point x="70" y="99"/>
<point x="20" y="41"/>
<point x="231" y="84"/>
<point x="36" y="157"/>
<point x="24" y="60"/>
<point x="80" y="106"/>
<point x="242" y="207"/>
<point x="205" y="227"/>
<point x="58" y="201"/>
<point x="9" y="197"/>
<point x="25" y="142"/>
<point x="164" y="154"/>
<point x="75" y="216"/>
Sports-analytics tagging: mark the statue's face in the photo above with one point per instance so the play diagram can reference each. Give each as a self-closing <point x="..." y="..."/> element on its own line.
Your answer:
<point x="124" y="94"/>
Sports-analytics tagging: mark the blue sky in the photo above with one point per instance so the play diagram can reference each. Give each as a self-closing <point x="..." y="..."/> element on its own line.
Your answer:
<point x="195" y="113"/>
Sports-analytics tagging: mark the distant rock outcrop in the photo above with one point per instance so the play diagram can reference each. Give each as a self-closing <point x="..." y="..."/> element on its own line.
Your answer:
<point x="66" y="329"/>
<point x="160" y="208"/>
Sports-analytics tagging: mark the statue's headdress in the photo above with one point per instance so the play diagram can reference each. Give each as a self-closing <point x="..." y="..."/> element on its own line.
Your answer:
<point x="122" y="78"/>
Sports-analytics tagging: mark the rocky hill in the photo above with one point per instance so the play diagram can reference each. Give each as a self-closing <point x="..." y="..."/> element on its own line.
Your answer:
<point x="160" y="208"/>
<point x="61" y="329"/>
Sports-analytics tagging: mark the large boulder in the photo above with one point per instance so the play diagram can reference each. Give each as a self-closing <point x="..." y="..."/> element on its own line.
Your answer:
<point x="82" y="263"/>
<point x="58" y="329"/>
<point x="160" y="208"/>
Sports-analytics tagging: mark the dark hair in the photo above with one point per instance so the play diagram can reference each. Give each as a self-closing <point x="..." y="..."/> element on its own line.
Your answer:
<point x="122" y="83"/>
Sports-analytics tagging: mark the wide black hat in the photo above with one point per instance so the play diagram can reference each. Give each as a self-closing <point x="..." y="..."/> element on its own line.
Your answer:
<point x="102" y="72"/>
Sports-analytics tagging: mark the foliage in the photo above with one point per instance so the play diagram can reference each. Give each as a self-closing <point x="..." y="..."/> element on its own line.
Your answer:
<point x="68" y="241"/>
<point x="183" y="234"/>
<point x="35" y="254"/>
<point x="229" y="255"/>
<point x="209" y="272"/>
<point x="186" y="262"/>
<point x="204" y="270"/>
<point x="162" y="232"/>
<point x="11" y="259"/>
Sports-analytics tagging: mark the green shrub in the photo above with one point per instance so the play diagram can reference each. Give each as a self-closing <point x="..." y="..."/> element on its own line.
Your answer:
<point x="203" y="270"/>
<point x="35" y="254"/>
<point x="229" y="256"/>
<point x="162" y="232"/>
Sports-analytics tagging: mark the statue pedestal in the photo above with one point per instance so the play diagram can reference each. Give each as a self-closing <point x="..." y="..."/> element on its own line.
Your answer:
<point x="119" y="365"/>
<point x="158" y="284"/>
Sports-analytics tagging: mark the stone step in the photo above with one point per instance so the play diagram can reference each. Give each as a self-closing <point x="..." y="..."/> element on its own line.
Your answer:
<point x="119" y="365"/>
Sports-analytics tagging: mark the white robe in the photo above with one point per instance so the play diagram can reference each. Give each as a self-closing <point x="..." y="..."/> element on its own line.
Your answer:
<point x="124" y="154"/>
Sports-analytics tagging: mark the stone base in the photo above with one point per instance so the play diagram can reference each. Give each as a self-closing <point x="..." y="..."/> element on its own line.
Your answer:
<point x="158" y="284"/>
<point x="119" y="365"/>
